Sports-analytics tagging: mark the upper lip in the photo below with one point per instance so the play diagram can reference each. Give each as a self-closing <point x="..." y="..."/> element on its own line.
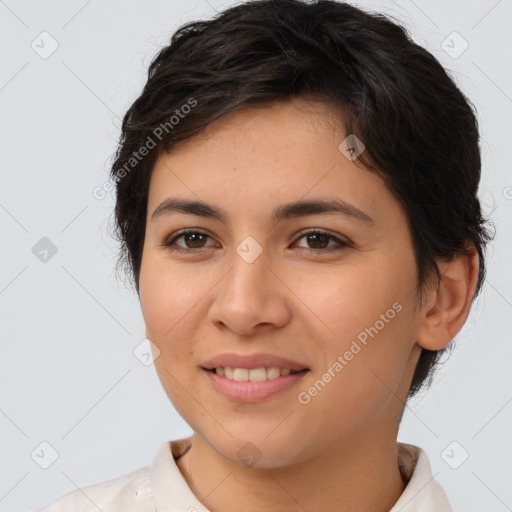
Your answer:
<point x="251" y="361"/>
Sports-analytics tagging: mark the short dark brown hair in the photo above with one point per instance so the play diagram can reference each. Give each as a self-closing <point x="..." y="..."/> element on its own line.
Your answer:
<point x="420" y="131"/>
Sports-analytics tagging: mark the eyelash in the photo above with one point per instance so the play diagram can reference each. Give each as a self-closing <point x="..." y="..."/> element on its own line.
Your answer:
<point x="169" y="243"/>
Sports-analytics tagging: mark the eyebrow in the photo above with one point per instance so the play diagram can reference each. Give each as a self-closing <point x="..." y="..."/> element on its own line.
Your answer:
<point x="285" y="211"/>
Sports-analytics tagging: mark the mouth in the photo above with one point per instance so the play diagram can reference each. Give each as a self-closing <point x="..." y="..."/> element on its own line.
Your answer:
<point x="220" y="367"/>
<point x="254" y="361"/>
<point x="237" y="384"/>
<point x="253" y="374"/>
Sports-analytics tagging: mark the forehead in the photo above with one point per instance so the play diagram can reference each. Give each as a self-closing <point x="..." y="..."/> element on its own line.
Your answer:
<point x="259" y="158"/>
<point x="289" y="117"/>
<point x="274" y="141"/>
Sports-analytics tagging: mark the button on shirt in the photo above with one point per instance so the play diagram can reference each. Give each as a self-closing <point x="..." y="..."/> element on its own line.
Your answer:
<point x="161" y="487"/>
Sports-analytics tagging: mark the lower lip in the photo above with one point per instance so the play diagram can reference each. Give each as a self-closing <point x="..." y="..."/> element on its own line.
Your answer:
<point x="253" y="391"/>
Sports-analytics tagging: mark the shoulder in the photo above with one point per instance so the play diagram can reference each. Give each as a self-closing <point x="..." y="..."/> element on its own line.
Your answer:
<point x="130" y="492"/>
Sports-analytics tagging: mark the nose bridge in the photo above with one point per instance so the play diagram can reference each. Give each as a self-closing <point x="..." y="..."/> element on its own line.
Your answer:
<point x="249" y="273"/>
<point x="248" y="294"/>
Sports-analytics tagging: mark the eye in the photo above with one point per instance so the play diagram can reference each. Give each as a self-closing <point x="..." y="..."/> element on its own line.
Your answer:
<point x="195" y="239"/>
<point x="319" y="237"/>
<point x="190" y="236"/>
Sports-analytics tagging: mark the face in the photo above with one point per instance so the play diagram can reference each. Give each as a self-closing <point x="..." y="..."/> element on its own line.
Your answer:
<point x="332" y="291"/>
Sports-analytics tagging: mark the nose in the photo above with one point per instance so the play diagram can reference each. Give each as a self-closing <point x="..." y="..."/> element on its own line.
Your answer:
<point x="251" y="297"/>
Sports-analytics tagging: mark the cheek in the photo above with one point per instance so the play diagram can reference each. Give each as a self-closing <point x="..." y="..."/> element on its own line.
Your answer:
<point x="165" y="297"/>
<point x="367" y="320"/>
<point x="165" y="309"/>
<point x="171" y="305"/>
<point x="353" y="297"/>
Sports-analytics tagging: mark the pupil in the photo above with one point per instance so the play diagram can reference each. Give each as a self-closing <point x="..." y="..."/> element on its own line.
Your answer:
<point x="194" y="235"/>
<point x="316" y="236"/>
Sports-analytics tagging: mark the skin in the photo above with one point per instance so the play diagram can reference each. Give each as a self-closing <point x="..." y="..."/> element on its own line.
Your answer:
<point x="339" y="451"/>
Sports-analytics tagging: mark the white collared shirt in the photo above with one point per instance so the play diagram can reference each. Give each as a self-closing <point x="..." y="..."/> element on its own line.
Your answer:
<point x="162" y="488"/>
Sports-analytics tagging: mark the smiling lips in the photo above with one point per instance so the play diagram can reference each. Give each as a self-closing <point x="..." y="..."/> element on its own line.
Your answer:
<point x="253" y="361"/>
<point x="253" y="374"/>
<point x="249" y="391"/>
<point x="252" y="377"/>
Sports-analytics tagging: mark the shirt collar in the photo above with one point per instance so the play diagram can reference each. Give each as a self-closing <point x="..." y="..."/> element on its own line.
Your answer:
<point x="170" y="489"/>
<point x="172" y="493"/>
<point x="422" y="491"/>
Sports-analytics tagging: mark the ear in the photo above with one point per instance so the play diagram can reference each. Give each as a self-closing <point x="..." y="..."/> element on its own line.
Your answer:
<point x="447" y="308"/>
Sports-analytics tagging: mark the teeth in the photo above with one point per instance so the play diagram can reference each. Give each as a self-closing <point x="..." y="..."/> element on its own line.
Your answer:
<point x="253" y="374"/>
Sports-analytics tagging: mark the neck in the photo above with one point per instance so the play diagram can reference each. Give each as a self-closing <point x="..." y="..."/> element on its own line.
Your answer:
<point x="356" y="475"/>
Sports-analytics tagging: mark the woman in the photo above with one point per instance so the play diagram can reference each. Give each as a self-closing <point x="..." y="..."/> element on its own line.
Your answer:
<point x="297" y="206"/>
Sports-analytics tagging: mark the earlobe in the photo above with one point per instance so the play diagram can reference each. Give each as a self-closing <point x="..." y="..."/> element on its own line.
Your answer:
<point x="447" y="308"/>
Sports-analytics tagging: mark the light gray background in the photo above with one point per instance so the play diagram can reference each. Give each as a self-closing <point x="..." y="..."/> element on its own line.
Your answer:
<point x="68" y="329"/>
